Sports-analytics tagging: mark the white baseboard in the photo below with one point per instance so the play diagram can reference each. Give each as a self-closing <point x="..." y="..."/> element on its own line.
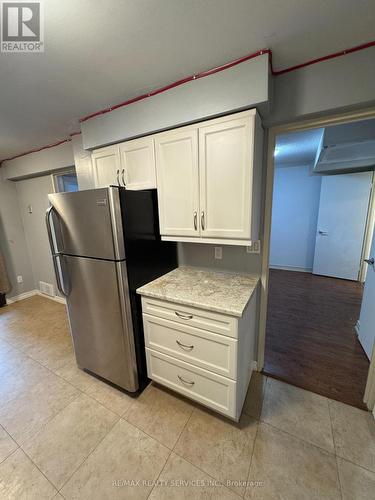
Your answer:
<point x="31" y="293"/>
<point x="292" y="268"/>
<point x="21" y="296"/>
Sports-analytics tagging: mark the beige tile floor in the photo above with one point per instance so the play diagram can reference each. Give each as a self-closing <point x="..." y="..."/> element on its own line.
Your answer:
<point x="65" y="434"/>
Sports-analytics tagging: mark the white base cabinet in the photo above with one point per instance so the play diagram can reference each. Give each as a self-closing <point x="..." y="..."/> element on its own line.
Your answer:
<point x="204" y="355"/>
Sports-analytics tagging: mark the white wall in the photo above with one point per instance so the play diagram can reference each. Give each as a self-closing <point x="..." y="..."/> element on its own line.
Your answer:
<point x="12" y="240"/>
<point x="23" y="236"/>
<point x="34" y="192"/>
<point x="294" y="218"/>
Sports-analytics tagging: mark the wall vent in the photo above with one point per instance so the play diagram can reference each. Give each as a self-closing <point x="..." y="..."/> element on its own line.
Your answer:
<point x="47" y="288"/>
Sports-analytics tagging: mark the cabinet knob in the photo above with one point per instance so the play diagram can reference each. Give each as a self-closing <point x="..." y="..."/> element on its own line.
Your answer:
<point x="202" y="221"/>
<point x="195" y="221"/>
<point x="122" y="177"/>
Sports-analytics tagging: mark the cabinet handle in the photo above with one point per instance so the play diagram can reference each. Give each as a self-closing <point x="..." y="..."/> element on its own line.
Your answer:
<point x="184" y="346"/>
<point x="185" y="381"/>
<point x="202" y="220"/>
<point x="118" y="179"/>
<point x="122" y="177"/>
<point x="195" y="221"/>
<point x="184" y="316"/>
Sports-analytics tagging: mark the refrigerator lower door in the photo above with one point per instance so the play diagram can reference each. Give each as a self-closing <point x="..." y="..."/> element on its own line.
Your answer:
<point x="100" y="319"/>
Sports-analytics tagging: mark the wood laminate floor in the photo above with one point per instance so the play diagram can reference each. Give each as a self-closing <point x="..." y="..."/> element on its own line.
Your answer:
<point x="311" y="340"/>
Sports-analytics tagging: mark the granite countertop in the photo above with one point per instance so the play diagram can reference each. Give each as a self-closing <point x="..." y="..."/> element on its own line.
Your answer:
<point x="222" y="292"/>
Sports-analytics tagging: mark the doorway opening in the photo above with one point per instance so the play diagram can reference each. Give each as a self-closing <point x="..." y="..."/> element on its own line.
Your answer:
<point x="323" y="212"/>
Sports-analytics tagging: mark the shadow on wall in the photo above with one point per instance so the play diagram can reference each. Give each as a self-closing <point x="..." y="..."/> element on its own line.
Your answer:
<point x="5" y="250"/>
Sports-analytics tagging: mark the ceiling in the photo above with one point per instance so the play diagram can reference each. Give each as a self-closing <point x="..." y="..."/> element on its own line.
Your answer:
<point x="100" y="52"/>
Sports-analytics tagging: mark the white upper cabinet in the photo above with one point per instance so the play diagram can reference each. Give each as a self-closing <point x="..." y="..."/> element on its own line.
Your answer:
<point x="130" y="164"/>
<point x="208" y="176"/>
<point x="178" y="182"/>
<point x="138" y="164"/>
<point x="218" y="188"/>
<point x="225" y="171"/>
<point x="106" y="166"/>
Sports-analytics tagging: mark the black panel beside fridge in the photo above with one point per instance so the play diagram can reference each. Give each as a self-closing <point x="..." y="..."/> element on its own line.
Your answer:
<point x="147" y="257"/>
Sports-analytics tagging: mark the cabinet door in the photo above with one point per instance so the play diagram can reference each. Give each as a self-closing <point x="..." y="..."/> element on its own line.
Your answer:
<point x="178" y="182"/>
<point x="226" y="174"/>
<point x="138" y="163"/>
<point x="106" y="166"/>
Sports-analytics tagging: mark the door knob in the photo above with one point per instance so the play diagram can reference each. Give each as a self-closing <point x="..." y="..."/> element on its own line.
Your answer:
<point x="323" y="233"/>
<point x="370" y="261"/>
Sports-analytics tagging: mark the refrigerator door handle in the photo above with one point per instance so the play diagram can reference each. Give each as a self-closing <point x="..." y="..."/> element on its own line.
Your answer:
<point x="55" y="254"/>
<point x="49" y="211"/>
<point x="57" y="274"/>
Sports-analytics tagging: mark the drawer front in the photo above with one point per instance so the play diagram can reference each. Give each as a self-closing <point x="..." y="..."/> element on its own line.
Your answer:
<point x="211" y="390"/>
<point x="207" y="350"/>
<point x="191" y="316"/>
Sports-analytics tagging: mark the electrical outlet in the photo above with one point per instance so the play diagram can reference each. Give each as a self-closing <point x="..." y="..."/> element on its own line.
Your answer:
<point x="19" y="279"/>
<point x="254" y="248"/>
<point x="218" y="253"/>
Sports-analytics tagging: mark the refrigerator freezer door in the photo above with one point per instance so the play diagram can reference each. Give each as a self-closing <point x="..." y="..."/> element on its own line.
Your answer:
<point x="88" y="223"/>
<point x="100" y="319"/>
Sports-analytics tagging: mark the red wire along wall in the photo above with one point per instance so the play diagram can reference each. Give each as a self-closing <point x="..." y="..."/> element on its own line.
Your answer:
<point x="203" y="74"/>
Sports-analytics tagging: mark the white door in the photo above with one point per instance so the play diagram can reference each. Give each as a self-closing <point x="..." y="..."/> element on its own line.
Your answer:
<point x="106" y="166"/>
<point x="344" y="201"/>
<point x="138" y="164"/>
<point x="226" y="170"/>
<point x="367" y="317"/>
<point x="178" y="182"/>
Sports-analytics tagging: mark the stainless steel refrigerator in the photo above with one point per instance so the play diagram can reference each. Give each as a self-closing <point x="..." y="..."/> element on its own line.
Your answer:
<point x="106" y="243"/>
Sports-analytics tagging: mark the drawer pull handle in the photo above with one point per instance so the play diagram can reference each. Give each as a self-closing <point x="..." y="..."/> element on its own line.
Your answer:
<point x="185" y="381"/>
<point x="184" y="346"/>
<point x="184" y="316"/>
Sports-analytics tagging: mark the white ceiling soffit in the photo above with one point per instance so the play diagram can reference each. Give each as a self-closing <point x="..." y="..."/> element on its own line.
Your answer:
<point x="348" y="147"/>
<point x="99" y="53"/>
<point x="297" y="148"/>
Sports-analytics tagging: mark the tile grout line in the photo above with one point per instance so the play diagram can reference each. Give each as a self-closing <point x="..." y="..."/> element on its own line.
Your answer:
<point x="335" y="449"/>
<point x="195" y="465"/>
<point x="35" y="465"/>
<point x="65" y="380"/>
<point x="91" y="452"/>
<point x="298" y="438"/>
<point x="80" y="392"/>
<point x="157" y="478"/>
<point x="251" y="458"/>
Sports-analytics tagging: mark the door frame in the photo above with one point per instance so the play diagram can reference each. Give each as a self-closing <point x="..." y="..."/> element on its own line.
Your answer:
<point x="367" y="240"/>
<point x="273" y="132"/>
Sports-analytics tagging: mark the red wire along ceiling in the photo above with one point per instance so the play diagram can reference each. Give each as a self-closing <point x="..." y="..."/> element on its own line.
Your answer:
<point x="203" y="74"/>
